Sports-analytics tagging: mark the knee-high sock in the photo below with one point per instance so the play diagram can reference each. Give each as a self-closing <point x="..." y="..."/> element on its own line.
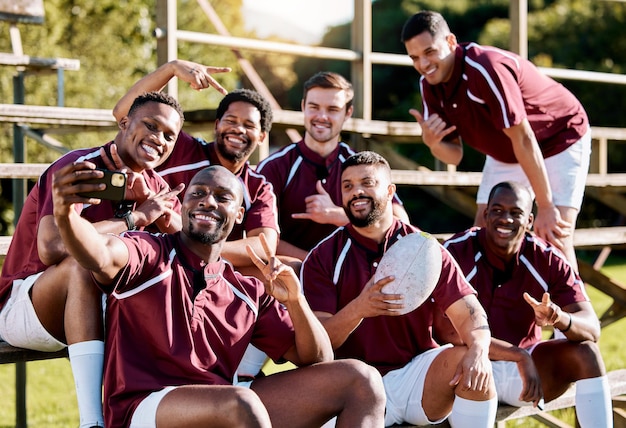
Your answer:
<point x="593" y="402"/>
<point x="473" y="414"/>
<point x="87" y="361"/>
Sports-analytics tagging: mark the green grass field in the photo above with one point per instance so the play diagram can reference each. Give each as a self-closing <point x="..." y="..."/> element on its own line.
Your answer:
<point x="51" y="398"/>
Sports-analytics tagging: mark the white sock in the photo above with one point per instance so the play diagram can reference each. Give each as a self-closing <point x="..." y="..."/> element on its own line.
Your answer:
<point x="593" y="402"/>
<point x="87" y="361"/>
<point x="473" y="414"/>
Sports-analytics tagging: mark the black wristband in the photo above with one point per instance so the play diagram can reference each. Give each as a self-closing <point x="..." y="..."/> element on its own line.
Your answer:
<point x="130" y="221"/>
<point x="569" y="325"/>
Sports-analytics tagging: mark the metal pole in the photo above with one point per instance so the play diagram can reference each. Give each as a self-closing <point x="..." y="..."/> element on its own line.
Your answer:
<point x="19" y="196"/>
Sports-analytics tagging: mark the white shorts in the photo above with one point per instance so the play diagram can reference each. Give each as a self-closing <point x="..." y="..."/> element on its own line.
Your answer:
<point x="509" y="381"/>
<point x="567" y="174"/>
<point x="144" y="415"/>
<point x="19" y="324"/>
<point x="405" y="387"/>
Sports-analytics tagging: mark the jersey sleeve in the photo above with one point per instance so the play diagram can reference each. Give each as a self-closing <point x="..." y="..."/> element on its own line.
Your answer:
<point x="263" y="211"/>
<point x="499" y="89"/>
<point x="273" y="331"/>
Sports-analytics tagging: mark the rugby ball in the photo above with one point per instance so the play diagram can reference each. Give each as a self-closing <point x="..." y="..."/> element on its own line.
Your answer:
<point x="415" y="262"/>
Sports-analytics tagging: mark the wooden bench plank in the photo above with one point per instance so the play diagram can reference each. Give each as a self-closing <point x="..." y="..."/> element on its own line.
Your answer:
<point x="10" y="354"/>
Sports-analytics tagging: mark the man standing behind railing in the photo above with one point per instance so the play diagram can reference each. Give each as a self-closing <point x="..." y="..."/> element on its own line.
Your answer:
<point x="531" y="128"/>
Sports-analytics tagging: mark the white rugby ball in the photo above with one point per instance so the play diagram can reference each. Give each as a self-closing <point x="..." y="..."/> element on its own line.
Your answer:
<point x="415" y="262"/>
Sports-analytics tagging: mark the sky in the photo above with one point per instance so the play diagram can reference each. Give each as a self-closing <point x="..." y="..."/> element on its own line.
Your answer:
<point x="303" y="21"/>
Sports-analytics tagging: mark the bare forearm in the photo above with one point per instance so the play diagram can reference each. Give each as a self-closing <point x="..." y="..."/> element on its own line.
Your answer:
<point x="578" y="327"/>
<point x="499" y="350"/>
<point x="341" y="325"/>
<point x="83" y="242"/>
<point x="530" y="158"/>
<point x="154" y="81"/>
<point x="447" y="152"/>
<point x="287" y="249"/>
<point x="312" y="342"/>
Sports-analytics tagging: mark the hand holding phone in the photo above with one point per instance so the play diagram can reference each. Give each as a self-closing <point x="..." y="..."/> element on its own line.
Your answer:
<point x="115" y="186"/>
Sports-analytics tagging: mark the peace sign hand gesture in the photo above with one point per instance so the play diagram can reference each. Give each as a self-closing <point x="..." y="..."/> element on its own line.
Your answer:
<point x="282" y="282"/>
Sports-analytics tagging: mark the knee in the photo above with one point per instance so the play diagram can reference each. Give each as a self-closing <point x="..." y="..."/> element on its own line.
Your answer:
<point x="363" y="379"/>
<point x="588" y="359"/>
<point x="245" y="408"/>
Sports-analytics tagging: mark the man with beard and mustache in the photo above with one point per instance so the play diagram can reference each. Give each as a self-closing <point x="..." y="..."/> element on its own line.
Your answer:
<point x="243" y="121"/>
<point x="47" y="301"/>
<point x="424" y="383"/>
<point x="179" y="319"/>
<point x="525" y="284"/>
<point x="305" y="175"/>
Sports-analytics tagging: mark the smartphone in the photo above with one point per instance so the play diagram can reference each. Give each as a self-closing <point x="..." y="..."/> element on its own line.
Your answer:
<point x="115" y="186"/>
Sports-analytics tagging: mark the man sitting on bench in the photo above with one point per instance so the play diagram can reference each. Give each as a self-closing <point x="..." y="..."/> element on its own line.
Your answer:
<point x="524" y="284"/>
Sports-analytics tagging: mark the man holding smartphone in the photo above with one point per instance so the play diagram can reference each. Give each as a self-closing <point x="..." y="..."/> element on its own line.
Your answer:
<point x="47" y="300"/>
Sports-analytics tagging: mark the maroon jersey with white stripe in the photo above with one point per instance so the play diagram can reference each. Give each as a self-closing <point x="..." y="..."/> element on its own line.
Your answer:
<point x="538" y="267"/>
<point x="158" y="334"/>
<point x="491" y="90"/>
<point x="22" y="259"/>
<point x="191" y="155"/>
<point x="336" y="271"/>
<point x="294" y="171"/>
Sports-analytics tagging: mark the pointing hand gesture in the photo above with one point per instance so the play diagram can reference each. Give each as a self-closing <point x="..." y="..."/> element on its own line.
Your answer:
<point x="546" y="312"/>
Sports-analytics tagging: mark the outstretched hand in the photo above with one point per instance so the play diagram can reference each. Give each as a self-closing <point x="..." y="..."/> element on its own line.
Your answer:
<point x="282" y="282"/>
<point x="199" y="76"/>
<point x="321" y="209"/>
<point x="546" y="312"/>
<point x="434" y="129"/>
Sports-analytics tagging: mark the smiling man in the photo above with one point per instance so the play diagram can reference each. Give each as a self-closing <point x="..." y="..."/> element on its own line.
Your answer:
<point x="525" y="284"/>
<point x="48" y="301"/>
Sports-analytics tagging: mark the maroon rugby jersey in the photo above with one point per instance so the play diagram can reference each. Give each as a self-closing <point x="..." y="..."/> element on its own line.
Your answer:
<point x="22" y="259"/>
<point x="158" y="334"/>
<point x="539" y="267"/>
<point x="191" y="155"/>
<point x="492" y="89"/>
<point x="294" y="171"/>
<point x="335" y="272"/>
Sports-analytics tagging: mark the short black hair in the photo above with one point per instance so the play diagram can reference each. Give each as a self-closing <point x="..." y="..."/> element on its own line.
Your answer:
<point x="365" y="158"/>
<point x="426" y="20"/>
<point x="156" y="97"/>
<point x="514" y="186"/>
<point x="330" y="80"/>
<point x="251" y="97"/>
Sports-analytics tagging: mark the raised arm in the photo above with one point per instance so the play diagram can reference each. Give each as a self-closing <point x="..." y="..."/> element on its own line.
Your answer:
<point x="104" y="255"/>
<point x="197" y="75"/>
<point x="311" y="341"/>
<point x="577" y="321"/>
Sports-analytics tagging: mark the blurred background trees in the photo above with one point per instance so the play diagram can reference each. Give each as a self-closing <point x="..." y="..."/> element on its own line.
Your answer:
<point x="115" y="44"/>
